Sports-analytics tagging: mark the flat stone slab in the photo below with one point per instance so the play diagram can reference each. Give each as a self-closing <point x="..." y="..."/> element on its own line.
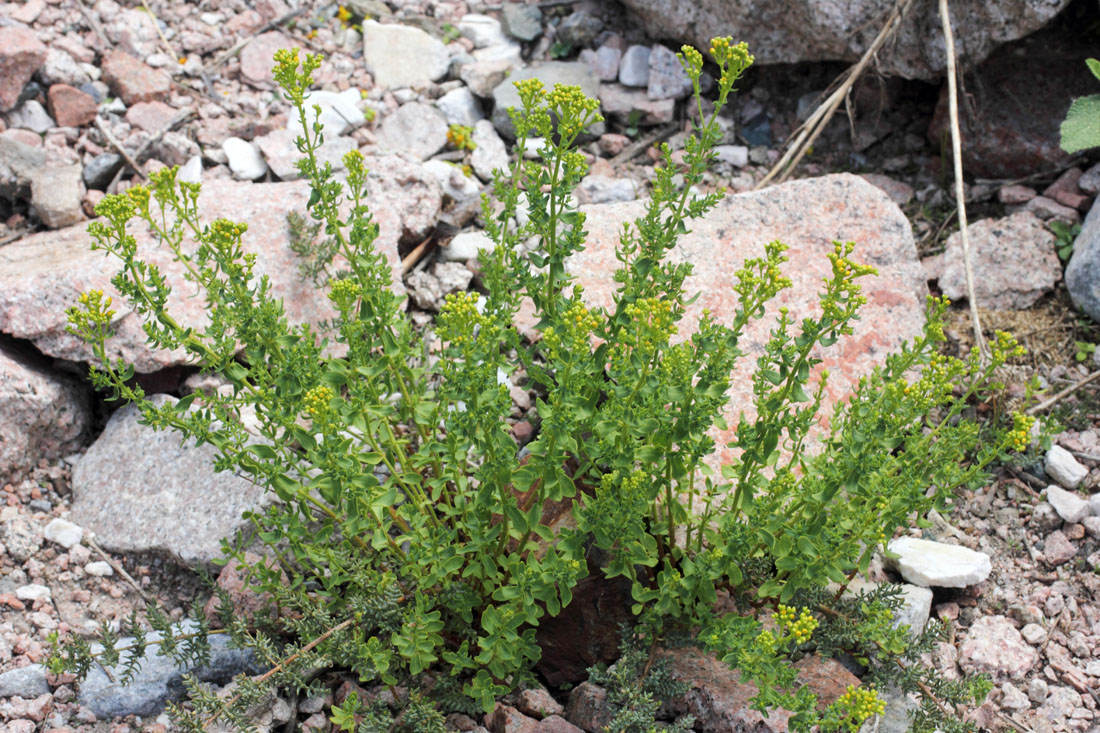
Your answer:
<point x="42" y="275"/>
<point x="926" y="563"/>
<point x="141" y="490"/>
<point x="807" y="215"/>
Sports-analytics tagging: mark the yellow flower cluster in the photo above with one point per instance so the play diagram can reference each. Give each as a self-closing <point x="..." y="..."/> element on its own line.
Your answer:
<point x="459" y="317"/>
<point x="654" y="319"/>
<point x="94" y="312"/>
<point x="1019" y="438"/>
<point x="1005" y="347"/>
<point x="801" y="628"/>
<point x="344" y="292"/>
<point x="316" y="402"/>
<point x="860" y="704"/>
<point x="461" y="137"/>
<point x="731" y="58"/>
<point x="574" y="332"/>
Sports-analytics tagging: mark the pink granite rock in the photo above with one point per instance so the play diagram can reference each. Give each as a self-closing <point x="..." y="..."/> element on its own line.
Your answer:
<point x="42" y="275"/>
<point x="132" y="80"/>
<point x="993" y="645"/>
<point x="1013" y="259"/>
<point x="808" y="215"/>
<point x="44" y="416"/>
<point x="71" y="107"/>
<point x="257" y="58"/>
<point x="506" y="719"/>
<point x="150" y="116"/>
<point x="21" y="53"/>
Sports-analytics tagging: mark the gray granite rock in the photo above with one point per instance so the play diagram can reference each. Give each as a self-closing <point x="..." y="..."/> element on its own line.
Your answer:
<point x="489" y="152"/>
<point x="57" y="193"/>
<point x="522" y="21"/>
<point x="550" y="73"/>
<point x="634" y="67"/>
<point x="416" y="128"/>
<point x="158" y="679"/>
<point x="927" y="563"/>
<point x="18" y="163"/>
<point x="578" y="29"/>
<point x="1061" y="466"/>
<point x="26" y="682"/>
<point x="460" y="107"/>
<point x="31" y="116"/>
<point x="1070" y="506"/>
<point x="141" y="490"/>
<point x="465" y="246"/>
<point x="101" y="170"/>
<point x="1083" y="270"/>
<point x="44" y="414"/>
<point x="667" y="78"/>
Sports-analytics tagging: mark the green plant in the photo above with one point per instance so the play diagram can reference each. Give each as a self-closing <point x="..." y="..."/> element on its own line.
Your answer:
<point x="461" y="137"/>
<point x="1066" y="235"/>
<point x="450" y="33"/>
<point x="561" y="50"/>
<point x="637" y="686"/>
<point x="1085" y="350"/>
<point x="407" y="542"/>
<point x="1081" y="128"/>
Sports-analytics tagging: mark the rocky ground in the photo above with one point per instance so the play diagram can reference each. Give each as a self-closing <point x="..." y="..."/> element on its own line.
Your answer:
<point x="101" y="516"/>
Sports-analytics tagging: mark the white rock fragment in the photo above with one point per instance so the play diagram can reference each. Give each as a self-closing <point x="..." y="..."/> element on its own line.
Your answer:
<point x="191" y="171"/>
<point x="1061" y="466"/>
<point x="735" y="155"/>
<point x="1070" y="507"/>
<point x="402" y="56"/>
<point x="32" y="592"/>
<point x="596" y="189"/>
<point x="1094" y="505"/>
<point x="341" y="112"/>
<point x="490" y="152"/>
<point x="928" y="564"/>
<point x="482" y="30"/>
<point x="245" y="159"/>
<point x="1033" y="633"/>
<point x="465" y="246"/>
<point x="460" y="107"/>
<point x="63" y="532"/>
<point x="99" y="568"/>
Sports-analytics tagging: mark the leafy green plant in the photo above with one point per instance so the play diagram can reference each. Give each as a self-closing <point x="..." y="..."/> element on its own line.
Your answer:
<point x="1081" y="128"/>
<point x="1066" y="235"/>
<point x="1085" y="350"/>
<point x="461" y="137"/>
<point x="450" y="33"/>
<point x="408" y="543"/>
<point x="561" y="50"/>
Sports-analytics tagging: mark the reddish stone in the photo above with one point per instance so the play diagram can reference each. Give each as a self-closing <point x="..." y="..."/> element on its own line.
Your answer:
<point x="506" y="719"/>
<point x="557" y="724"/>
<point x="257" y="58"/>
<point x="21" y="54"/>
<point x="30" y="11"/>
<point x="1065" y="183"/>
<point x="233" y="580"/>
<point x="523" y="431"/>
<point x="71" y="107"/>
<point x="132" y="80"/>
<point x="150" y="116"/>
<point x="1047" y="209"/>
<point x="899" y="192"/>
<point x="1016" y="194"/>
<point x="612" y="144"/>
<point x="1079" y="201"/>
<point x="1057" y="549"/>
<point x="588" y="707"/>
<point x="538" y="703"/>
<point x="828" y="678"/>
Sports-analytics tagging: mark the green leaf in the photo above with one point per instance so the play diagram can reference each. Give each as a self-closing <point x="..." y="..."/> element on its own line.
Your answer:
<point x="1081" y="128"/>
<point x="1094" y="67"/>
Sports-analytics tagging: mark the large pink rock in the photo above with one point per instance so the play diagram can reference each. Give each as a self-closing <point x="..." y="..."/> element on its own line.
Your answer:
<point x="807" y="215"/>
<point x="42" y="275"/>
<point x="1013" y="260"/>
<point x="132" y="80"/>
<point x="41" y="415"/>
<point x="21" y="54"/>
<point x="994" y="646"/>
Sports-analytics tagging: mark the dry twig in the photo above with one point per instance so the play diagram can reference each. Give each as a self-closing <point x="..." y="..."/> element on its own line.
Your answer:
<point x="114" y="143"/>
<point x="809" y="131"/>
<point x="164" y="39"/>
<point x="1063" y="393"/>
<point x="637" y="147"/>
<point x="960" y="196"/>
